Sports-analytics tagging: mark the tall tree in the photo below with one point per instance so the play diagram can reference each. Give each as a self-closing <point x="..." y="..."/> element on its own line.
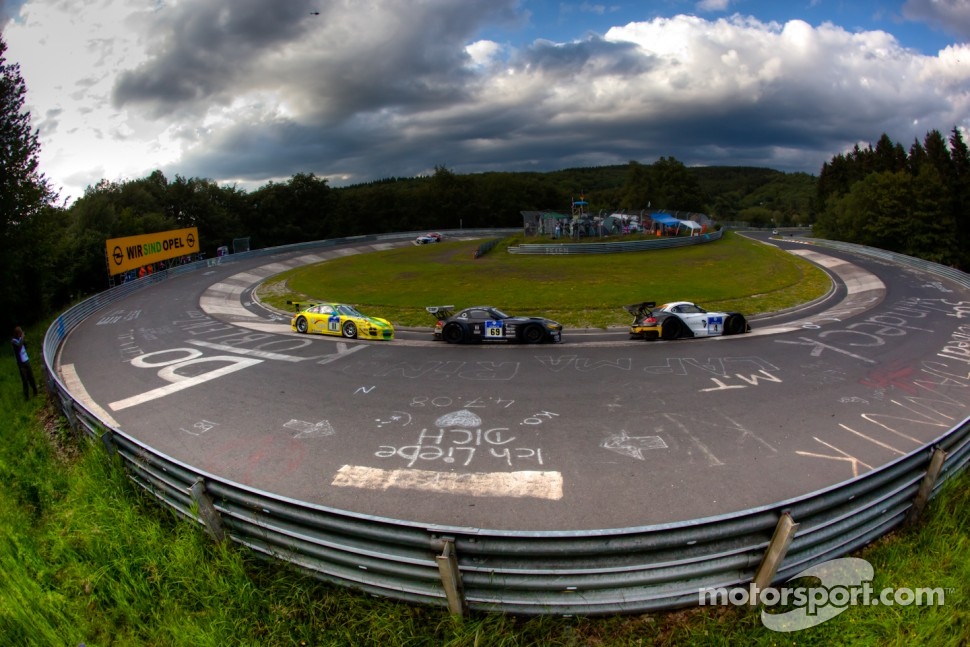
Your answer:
<point x="638" y="192"/>
<point x="297" y="211"/>
<point x="938" y="154"/>
<point x="675" y="186"/>
<point x="834" y="179"/>
<point x="917" y="158"/>
<point x="25" y="194"/>
<point x="960" y="156"/>
<point x="447" y="197"/>
<point x="217" y="211"/>
<point x="888" y="156"/>
<point x="935" y="238"/>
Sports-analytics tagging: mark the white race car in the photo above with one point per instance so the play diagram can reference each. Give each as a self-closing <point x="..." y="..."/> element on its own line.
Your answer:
<point x="679" y="319"/>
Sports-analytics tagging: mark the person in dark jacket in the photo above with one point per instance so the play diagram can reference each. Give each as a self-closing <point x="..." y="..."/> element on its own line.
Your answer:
<point x="19" y="344"/>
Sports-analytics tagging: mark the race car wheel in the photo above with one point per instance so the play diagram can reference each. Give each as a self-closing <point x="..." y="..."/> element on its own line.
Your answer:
<point x="735" y="325"/>
<point x="453" y="334"/>
<point x="671" y="328"/>
<point x="532" y="335"/>
<point x="349" y="330"/>
<point x="301" y="325"/>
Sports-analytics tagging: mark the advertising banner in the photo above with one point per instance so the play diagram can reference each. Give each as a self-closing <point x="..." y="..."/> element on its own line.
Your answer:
<point x="132" y="252"/>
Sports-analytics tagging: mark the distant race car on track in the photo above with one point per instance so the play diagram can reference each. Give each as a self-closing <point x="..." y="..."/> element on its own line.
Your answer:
<point x="342" y="320"/>
<point x="424" y="239"/>
<point x="679" y="319"/>
<point x="485" y="323"/>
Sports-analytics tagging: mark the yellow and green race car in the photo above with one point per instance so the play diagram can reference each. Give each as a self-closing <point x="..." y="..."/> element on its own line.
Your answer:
<point x="342" y="320"/>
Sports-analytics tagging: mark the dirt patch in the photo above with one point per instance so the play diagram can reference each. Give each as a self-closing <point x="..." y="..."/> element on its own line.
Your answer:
<point x="63" y="440"/>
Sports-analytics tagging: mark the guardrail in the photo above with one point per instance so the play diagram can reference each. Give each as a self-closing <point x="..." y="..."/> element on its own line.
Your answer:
<point x="486" y="247"/>
<point x="585" y="572"/>
<point x="942" y="271"/>
<point x="614" y="247"/>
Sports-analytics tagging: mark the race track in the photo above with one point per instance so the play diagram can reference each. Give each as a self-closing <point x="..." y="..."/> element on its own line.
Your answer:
<point x="598" y="432"/>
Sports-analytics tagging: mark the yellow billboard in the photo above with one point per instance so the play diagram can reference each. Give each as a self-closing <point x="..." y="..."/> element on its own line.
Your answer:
<point x="132" y="252"/>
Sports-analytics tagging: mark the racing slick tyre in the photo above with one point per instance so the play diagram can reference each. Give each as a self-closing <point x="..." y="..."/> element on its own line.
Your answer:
<point x="532" y="335"/>
<point x="734" y="325"/>
<point x="301" y="325"/>
<point x="453" y="333"/>
<point x="349" y="330"/>
<point x="671" y="328"/>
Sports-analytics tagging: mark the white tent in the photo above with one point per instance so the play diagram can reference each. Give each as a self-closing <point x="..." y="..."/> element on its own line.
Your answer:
<point x="693" y="227"/>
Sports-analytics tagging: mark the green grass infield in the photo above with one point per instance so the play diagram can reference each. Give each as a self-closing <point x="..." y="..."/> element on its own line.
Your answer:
<point x="580" y="291"/>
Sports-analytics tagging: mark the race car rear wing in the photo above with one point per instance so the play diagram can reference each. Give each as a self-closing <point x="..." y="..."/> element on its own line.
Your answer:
<point x="640" y="309"/>
<point x="440" y="312"/>
<point x="299" y="306"/>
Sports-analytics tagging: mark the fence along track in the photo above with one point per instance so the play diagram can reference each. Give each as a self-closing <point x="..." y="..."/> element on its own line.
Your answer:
<point x="644" y="245"/>
<point x="587" y="572"/>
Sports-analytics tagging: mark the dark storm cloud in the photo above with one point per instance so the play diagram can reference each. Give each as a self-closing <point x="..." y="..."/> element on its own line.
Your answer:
<point x="333" y="58"/>
<point x="950" y="16"/>
<point x="594" y="55"/>
<point x="390" y="58"/>
<point x="516" y="142"/>
<point x="202" y="50"/>
<point x="371" y="89"/>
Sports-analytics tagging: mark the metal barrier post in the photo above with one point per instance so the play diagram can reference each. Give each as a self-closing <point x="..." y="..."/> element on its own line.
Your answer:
<point x="926" y="486"/>
<point x="207" y="510"/>
<point x="108" y="441"/>
<point x="777" y="548"/>
<point x="451" y="577"/>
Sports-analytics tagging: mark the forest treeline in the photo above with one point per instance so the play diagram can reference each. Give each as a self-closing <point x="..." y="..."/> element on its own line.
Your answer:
<point x="914" y="202"/>
<point x="52" y="253"/>
<point x="62" y="248"/>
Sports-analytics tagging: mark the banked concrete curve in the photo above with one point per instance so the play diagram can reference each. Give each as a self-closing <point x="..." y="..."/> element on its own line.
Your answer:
<point x="598" y="432"/>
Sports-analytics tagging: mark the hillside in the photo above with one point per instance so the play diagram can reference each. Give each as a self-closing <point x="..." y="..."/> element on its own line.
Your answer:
<point x="760" y="196"/>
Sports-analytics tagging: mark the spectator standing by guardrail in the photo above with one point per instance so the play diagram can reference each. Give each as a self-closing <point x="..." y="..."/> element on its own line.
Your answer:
<point x="19" y="345"/>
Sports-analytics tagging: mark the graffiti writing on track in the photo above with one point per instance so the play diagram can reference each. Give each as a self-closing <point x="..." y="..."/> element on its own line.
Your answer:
<point x="396" y="419"/>
<point x="118" y="316"/>
<point x="199" y="428"/>
<point x="925" y="398"/>
<point x="224" y="350"/>
<point x="726" y="373"/>
<point x="129" y="346"/>
<point x="632" y="446"/>
<point x="453" y="433"/>
<point x="179" y="369"/>
<point x="306" y="429"/>
<point x="584" y="364"/>
<point x="473" y="402"/>
<point x="460" y="446"/>
<point x="851" y="340"/>
<point x="480" y="371"/>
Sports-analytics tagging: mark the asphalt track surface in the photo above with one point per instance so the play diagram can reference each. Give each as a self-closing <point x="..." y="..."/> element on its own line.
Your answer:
<point x="598" y="432"/>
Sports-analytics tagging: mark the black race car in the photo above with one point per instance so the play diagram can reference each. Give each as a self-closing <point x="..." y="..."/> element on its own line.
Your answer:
<point x="485" y="323"/>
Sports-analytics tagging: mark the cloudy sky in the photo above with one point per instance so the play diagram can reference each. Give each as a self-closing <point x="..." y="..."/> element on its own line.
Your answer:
<point x="250" y="91"/>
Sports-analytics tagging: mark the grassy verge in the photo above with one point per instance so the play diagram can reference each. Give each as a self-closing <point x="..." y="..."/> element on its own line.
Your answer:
<point x="583" y="291"/>
<point x="88" y="558"/>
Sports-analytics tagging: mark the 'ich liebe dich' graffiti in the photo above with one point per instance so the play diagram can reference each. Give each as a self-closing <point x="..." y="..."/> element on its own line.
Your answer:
<point x="458" y="438"/>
